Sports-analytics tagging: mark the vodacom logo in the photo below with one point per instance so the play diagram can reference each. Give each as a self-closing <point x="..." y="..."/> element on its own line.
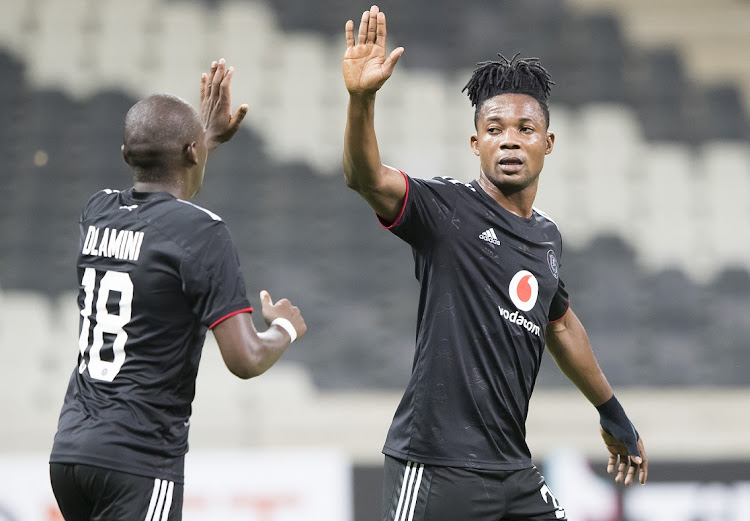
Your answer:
<point x="524" y="290"/>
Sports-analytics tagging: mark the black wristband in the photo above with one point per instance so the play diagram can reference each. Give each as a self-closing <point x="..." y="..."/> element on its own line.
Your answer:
<point x="616" y="423"/>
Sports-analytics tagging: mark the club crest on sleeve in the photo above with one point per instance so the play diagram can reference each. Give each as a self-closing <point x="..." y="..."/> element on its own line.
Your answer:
<point x="552" y="262"/>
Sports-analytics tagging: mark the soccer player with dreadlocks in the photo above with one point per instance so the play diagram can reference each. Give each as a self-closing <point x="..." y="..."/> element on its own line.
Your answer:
<point x="490" y="299"/>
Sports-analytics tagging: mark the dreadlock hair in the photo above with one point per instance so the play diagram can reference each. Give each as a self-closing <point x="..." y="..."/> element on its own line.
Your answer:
<point x="514" y="76"/>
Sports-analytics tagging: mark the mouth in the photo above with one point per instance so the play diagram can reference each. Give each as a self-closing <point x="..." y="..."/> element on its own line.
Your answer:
<point x="510" y="164"/>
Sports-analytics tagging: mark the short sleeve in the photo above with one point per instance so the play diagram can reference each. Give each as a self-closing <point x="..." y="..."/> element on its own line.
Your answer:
<point x="212" y="278"/>
<point x="427" y="211"/>
<point x="560" y="303"/>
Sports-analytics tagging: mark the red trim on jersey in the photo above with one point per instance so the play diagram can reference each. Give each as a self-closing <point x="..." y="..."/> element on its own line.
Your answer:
<point x="403" y="207"/>
<point x="233" y="313"/>
<point x="561" y="316"/>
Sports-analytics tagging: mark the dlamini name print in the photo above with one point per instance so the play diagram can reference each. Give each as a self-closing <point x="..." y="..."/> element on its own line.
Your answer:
<point x="120" y="244"/>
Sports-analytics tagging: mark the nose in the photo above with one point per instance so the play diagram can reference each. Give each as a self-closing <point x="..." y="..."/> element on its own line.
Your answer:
<point x="509" y="140"/>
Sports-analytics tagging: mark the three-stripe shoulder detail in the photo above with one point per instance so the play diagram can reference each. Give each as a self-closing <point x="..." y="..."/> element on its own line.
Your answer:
<point x="207" y="212"/>
<point x="543" y="214"/>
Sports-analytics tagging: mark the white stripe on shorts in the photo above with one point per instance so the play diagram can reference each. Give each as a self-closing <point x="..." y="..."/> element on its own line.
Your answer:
<point x="168" y="502"/>
<point x="161" y="501"/>
<point x="416" y="492"/>
<point x="409" y="491"/>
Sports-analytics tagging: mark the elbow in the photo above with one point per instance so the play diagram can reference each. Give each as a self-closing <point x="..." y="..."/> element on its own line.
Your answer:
<point x="364" y="188"/>
<point x="247" y="371"/>
<point x="362" y="178"/>
<point x="248" y="366"/>
<point x="351" y="183"/>
<point x="352" y="179"/>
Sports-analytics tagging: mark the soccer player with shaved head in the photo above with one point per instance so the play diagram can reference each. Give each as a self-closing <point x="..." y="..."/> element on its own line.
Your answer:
<point x="155" y="272"/>
<point x="491" y="298"/>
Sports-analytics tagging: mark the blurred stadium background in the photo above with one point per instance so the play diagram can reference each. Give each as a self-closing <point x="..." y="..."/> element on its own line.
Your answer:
<point x="649" y="181"/>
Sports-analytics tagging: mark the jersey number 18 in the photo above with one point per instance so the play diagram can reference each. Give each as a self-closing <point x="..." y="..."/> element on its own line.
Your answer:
<point x="106" y="322"/>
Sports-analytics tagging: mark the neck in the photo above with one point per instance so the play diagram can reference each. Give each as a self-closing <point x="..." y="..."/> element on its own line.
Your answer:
<point x="518" y="202"/>
<point x="177" y="189"/>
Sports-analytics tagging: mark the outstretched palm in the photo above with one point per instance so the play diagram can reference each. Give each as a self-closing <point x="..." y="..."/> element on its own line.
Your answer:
<point x="216" y="105"/>
<point x="366" y="66"/>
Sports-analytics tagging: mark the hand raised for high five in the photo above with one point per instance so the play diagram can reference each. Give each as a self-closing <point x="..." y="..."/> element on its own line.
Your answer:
<point x="216" y="105"/>
<point x="366" y="66"/>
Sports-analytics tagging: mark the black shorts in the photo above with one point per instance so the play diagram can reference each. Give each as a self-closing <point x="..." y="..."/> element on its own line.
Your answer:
<point x="86" y="493"/>
<point x="419" y="492"/>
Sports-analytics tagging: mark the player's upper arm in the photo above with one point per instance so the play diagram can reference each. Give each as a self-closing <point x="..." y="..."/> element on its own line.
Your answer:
<point x="559" y="326"/>
<point x="238" y="340"/>
<point x="386" y="195"/>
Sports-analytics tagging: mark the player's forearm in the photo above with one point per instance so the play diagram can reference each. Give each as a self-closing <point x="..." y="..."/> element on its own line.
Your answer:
<point x="570" y="347"/>
<point x="246" y="352"/>
<point x="271" y="344"/>
<point x="583" y="370"/>
<point x="362" y="164"/>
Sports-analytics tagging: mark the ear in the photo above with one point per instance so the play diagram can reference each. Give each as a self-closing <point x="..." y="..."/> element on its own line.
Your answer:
<point x="474" y="141"/>
<point x="124" y="155"/>
<point x="550" y="143"/>
<point x="190" y="153"/>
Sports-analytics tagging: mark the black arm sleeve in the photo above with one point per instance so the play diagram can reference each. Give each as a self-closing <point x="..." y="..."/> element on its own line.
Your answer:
<point x="560" y="303"/>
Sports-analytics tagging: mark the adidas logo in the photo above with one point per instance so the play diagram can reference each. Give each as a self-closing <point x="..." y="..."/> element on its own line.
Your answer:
<point x="489" y="236"/>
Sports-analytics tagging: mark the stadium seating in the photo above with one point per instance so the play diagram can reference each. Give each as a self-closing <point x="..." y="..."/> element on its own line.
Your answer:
<point x="638" y="179"/>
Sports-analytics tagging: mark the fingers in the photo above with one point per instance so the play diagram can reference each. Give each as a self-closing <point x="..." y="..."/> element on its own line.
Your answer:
<point x="621" y="469"/>
<point x="362" y="34"/>
<point x="218" y="77"/>
<point x="224" y="98"/>
<point x="628" y="468"/>
<point x="372" y="24"/>
<point x="372" y="30"/>
<point x="611" y="463"/>
<point x="380" y="30"/>
<point x="209" y="78"/>
<point x="349" y="33"/>
<point x="643" y="473"/>
<point x="630" y="474"/>
<point x="265" y="298"/>
<point x="224" y="86"/>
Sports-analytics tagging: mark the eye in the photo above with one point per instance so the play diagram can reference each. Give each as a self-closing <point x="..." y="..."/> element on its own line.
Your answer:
<point x="493" y="130"/>
<point x="527" y="130"/>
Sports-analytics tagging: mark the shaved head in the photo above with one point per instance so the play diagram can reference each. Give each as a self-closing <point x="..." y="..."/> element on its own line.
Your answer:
<point x="157" y="131"/>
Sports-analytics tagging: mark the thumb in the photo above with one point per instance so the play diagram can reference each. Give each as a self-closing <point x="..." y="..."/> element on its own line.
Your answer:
<point x="236" y="121"/>
<point x="392" y="59"/>
<point x="265" y="298"/>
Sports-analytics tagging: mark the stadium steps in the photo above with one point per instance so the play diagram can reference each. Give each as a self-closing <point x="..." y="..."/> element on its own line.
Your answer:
<point x="298" y="106"/>
<point x="712" y="37"/>
<point x="605" y="177"/>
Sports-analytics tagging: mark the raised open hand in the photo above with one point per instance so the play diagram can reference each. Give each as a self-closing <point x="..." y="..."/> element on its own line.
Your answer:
<point x="216" y="105"/>
<point x="366" y="66"/>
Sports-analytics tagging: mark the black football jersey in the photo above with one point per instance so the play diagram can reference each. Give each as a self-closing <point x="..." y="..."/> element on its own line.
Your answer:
<point x="489" y="285"/>
<point x="155" y="274"/>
